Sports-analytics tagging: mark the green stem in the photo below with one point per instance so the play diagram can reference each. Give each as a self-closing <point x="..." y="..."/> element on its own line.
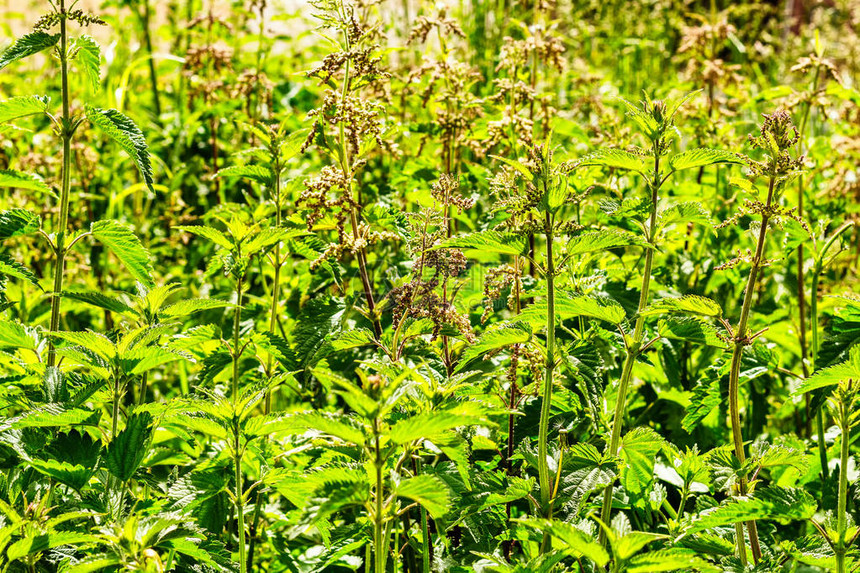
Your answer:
<point x="273" y="321"/>
<point x="240" y="505"/>
<point x="425" y="535"/>
<point x="741" y="340"/>
<point x="145" y="18"/>
<point x="635" y="345"/>
<point x="66" y="132"/>
<point x="380" y="549"/>
<point x="361" y="254"/>
<point x="543" y="465"/>
<point x="237" y="319"/>
<point x="813" y="319"/>
<point x="841" y="522"/>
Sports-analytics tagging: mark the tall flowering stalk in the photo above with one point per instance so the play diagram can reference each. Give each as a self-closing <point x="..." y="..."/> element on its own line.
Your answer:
<point x="777" y="138"/>
<point x="345" y="124"/>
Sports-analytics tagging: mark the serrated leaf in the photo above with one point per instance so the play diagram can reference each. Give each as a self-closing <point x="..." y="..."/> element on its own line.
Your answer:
<point x="269" y="237"/>
<point x="293" y="143"/>
<point x="125" y="245"/>
<point x="683" y="213"/>
<point x="90" y="57"/>
<point x="18" y="222"/>
<point x="253" y="172"/>
<point x="92" y="341"/>
<point x="99" y="300"/>
<point x="687" y="304"/>
<point x="352" y="339"/>
<point x="664" y="560"/>
<point x="12" y="268"/>
<point x="488" y="242"/>
<point x="691" y="329"/>
<point x="127" y="449"/>
<point x="124" y="131"/>
<point x="429" y="491"/>
<point x="28" y="45"/>
<point x="833" y="375"/>
<point x="52" y="415"/>
<point x="428" y="424"/>
<point x="706" y="397"/>
<point x="295" y="424"/>
<point x="22" y="106"/>
<point x="616" y="159"/>
<point x="639" y="449"/>
<point x="569" y="306"/>
<point x="494" y="338"/>
<point x="15" y="335"/>
<point x="43" y="542"/>
<point x="770" y="503"/>
<point x="702" y="158"/>
<point x="518" y="166"/>
<point x="576" y="541"/>
<point x="600" y="240"/>
<point x="190" y="306"/>
<point x="210" y="233"/>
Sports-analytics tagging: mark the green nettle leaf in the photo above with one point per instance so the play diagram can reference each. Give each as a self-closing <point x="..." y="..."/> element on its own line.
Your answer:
<point x="124" y="131"/>
<point x="601" y="240"/>
<point x="683" y="213"/>
<point x="833" y="375"/>
<point x="702" y="158"/>
<point x="99" y="300"/>
<point x="253" y="172"/>
<point x="12" y="268"/>
<point x="428" y="424"/>
<point x="705" y="399"/>
<point x="770" y="503"/>
<point x="28" y="45"/>
<point x="488" y="242"/>
<point x="128" y="448"/>
<point x="691" y="329"/>
<point x="570" y="306"/>
<point x="51" y="415"/>
<point x="90" y="57"/>
<point x="18" y="222"/>
<point x="209" y="233"/>
<point x="427" y="490"/>
<point x="75" y="476"/>
<point x="688" y="304"/>
<point x="15" y="335"/>
<point x="20" y="180"/>
<point x="617" y="159"/>
<point x="577" y="542"/>
<point x="494" y="338"/>
<point x="22" y="106"/>
<point x="638" y="450"/>
<point x="190" y="306"/>
<point x="123" y="243"/>
<point x="352" y="339"/>
<point x="664" y="560"/>
<point x="43" y="542"/>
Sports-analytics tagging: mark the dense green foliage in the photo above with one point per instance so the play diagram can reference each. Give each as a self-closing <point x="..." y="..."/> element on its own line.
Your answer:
<point x="478" y="286"/>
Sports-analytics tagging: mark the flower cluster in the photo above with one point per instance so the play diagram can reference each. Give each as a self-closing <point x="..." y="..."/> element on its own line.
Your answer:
<point x="48" y="21"/>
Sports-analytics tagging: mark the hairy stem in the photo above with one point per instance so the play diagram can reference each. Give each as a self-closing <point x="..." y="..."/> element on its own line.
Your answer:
<point x="240" y="506"/>
<point x="546" y="404"/>
<point x="742" y="340"/>
<point x="635" y="345"/>
<point x="66" y="132"/>
<point x="841" y="522"/>
<point x="145" y="18"/>
<point x="380" y="549"/>
<point x="813" y="319"/>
